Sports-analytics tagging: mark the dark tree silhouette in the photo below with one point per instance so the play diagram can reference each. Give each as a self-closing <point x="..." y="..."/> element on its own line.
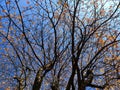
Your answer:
<point x="59" y="44"/>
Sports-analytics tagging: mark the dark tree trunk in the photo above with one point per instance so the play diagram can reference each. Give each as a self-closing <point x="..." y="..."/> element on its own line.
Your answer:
<point x="82" y="88"/>
<point x="40" y="75"/>
<point x="37" y="83"/>
<point x="38" y="80"/>
<point x="70" y="82"/>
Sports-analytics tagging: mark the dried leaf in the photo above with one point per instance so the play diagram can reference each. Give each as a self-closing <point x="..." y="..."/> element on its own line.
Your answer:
<point x="0" y="17"/>
<point x="59" y="2"/>
<point x="102" y="12"/>
<point x="8" y="2"/>
<point x="3" y="40"/>
<point x="11" y="28"/>
<point x="102" y="70"/>
<point x="8" y="88"/>
<point x="28" y="2"/>
<point x="1" y="26"/>
<point x="65" y="5"/>
<point x="101" y="41"/>
<point x="4" y="10"/>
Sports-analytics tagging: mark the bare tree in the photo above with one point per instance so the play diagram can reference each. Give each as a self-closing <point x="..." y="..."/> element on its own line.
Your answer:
<point x="59" y="44"/>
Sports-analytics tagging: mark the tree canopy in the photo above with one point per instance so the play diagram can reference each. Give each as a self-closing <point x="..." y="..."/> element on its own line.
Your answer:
<point x="59" y="44"/>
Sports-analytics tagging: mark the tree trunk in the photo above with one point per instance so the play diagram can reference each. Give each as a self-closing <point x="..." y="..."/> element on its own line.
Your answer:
<point x="71" y="81"/>
<point x="82" y="87"/>
<point x="38" y="80"/>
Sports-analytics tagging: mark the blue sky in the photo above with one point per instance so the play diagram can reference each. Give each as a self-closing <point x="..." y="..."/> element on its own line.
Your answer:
<point x="89" y="88"/>
<point x="23" y="3"/>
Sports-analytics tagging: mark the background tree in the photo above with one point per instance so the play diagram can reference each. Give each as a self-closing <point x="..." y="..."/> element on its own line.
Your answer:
<point x="59" y="44"/>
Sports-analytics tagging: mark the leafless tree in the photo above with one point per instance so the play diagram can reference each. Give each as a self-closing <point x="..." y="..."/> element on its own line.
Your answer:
<point x="59" y="44"/>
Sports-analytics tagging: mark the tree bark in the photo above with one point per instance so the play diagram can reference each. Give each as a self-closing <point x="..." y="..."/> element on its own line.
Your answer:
<point x="38" y="80"/>
<point x="82" y="87"/>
